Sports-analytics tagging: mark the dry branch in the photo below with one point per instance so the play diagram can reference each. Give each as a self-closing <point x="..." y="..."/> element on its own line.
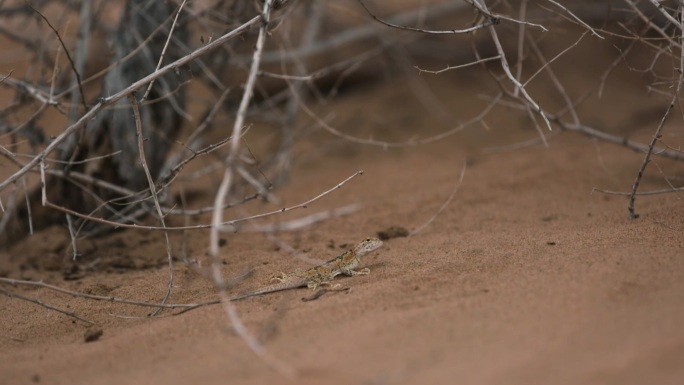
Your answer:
<point x="45" y="305"/>
<point x="108" y="101"/>
<point x="657" y="135"/>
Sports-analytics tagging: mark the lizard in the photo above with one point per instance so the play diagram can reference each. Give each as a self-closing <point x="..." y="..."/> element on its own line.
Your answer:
<point x="322" y="274"/>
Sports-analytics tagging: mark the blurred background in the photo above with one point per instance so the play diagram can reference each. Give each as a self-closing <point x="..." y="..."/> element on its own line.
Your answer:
<point x="336" y="78"/>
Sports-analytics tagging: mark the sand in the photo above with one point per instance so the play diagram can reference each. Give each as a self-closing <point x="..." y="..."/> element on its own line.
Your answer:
<point x="524" y="277"/>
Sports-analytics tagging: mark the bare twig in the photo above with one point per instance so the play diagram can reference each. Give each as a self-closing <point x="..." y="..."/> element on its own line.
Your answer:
<point x="66" y="51"/>
<point x="72" y="235"/>
<point x="482" y="7"/>
<point x="522" y="14"/>
<point x="649" y="21"/>
<point x="665" y="13"/>
<point x="15" y="282"/>
<point x="520" y="145"/>
<point x="409" y="143"/>
<point x="237" y="129"/>
<point x="173" y="166"/>
<point x="504" y="64"/>
<point x="121" y="61"/>
<point x="300" y="205"/>
<point x="299" y="223"/>
<point x="261" y="189"/>
<point x="166" y="45"/>
<point x="45" y="305"/>
<point x="444" y="205"/>
<point x="490" y="21"/>
<point x="153" y="193"/>
<point x="221" y="194"/>
<point x="208" y="209"/>
<point x="640" y="193"/>
<point x="580" y="21"/>
<point x="559" y="86"/>
<point x="356" y="34"/>
<point x="222" y="225"/>
<point x="656" y="136"/>
<point x="449" y="68"/>
<point x="616" y="139"/>
<point x="81" y="54"/>
<point x="104" y="102"/>
<point x="29" y="215"/>
<point x="34" y="92"/>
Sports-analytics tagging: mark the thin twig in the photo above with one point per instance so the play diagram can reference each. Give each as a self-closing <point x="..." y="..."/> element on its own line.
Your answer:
<point x="300" y="205"/>
<point x="520" y="145"/>
<point x="29" y="214"/>
<point x="15" y="282"/>
<point x="72" y="235"/>
<point x="616" y="139"/>
<point x="237" y="129"/>
<point x="656" y="136"/>
<point x="449" y="68"/>
<point x="522" y="15"/>
<point x="547" y="66"/>
<point x="173" y="165"/>
<point x="490" y="21"/>
<point x="410" y="143"/>
<point x="580" y="21"/>
<point x="629" y="193"/>
<point x="507" y="70"/>
<point x="482" y="7"/>
<point x="104" y="102"/>
<point x="6" y="76"/>
<point x="45" y="305"/>
<point x="166" y="45"/>
<point x="221" y="194"/>
<point x="203" y="210"/>
<point x="222" y="225"/>
<point x="29" y="89"/>
<point x="261" y="189"/>
<point x="665" y="13"/>
<point x="66" y="51"/>
<point x="81" y="54"/>
<point x="648" y="20"/>
<point x="445" y="204"/>
<point x="12" y="201"/>
<point x="143" y="44"/>
<point x="299" y="223"/>
<point x="153" y="193"/>
<point x="354" y="35"/>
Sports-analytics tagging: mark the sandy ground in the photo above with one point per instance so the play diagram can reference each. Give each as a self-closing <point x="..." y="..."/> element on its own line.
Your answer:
<point x="526" y="277"/>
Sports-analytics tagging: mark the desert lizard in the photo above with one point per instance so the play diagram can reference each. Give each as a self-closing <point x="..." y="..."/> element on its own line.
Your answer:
<point x="322" y="274"/>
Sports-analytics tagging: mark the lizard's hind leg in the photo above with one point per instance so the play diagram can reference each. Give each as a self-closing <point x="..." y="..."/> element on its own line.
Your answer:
<point x="364" y="271"/>
<point x="278" y="277"/>
<point x="283" y="277"/>
<point x="316" y="283"/>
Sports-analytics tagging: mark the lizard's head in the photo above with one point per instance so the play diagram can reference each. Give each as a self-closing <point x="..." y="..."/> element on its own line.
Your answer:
<point x="367" y="245"/>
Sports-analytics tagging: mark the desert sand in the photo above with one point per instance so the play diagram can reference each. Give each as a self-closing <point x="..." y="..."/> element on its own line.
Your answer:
<point x="525" y="276"/>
